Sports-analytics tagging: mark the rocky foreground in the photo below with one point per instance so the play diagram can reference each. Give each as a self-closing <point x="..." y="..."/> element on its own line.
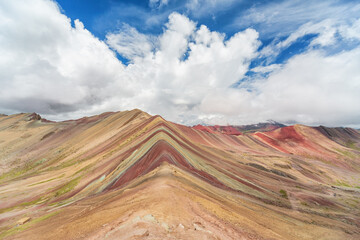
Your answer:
<point x="129" y="175"/>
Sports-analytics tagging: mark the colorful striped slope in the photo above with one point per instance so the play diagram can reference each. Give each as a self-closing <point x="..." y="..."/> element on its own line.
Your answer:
<point x="129" y="175"/>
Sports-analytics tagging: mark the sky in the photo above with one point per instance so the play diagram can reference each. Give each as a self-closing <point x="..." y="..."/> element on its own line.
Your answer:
<point x="190" y="61"/>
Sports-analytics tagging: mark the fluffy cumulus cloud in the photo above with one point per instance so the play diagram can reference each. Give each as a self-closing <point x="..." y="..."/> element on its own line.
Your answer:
<point x="188" y="73"/>
<point x="314" y="88"/>
<point x="48" y="66"/>
<point x="185" y="66"/>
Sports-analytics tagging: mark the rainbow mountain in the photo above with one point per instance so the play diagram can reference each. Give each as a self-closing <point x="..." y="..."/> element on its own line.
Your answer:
<point x="130" y="175"/>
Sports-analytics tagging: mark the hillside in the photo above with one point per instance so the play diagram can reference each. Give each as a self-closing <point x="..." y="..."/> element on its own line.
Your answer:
<point x="130" y="175"/>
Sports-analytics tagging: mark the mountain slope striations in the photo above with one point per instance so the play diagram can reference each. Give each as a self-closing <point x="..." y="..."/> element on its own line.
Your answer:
<point x="131" y="175"/>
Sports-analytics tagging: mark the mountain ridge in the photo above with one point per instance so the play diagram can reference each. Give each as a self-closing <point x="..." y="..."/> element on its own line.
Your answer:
<point x="240" y="129"/>
<point x="294" y="173"/>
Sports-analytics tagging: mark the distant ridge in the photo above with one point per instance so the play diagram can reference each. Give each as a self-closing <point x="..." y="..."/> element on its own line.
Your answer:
<point x="348" y="137"/>
<point x="241" y="129"/>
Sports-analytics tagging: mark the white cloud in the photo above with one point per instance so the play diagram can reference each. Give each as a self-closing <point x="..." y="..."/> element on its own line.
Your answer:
<point x="311" y="88"/>
<point x="188" y="63"/>
<point x="47" y="65"/>
<point x="328" y="33"/>
<point x="266" y="69"/>
<point x="197" y="8"/>
<point x="351" y="33"/>
<point x="184" y="74"/>
<point x="283" y="18"/>
<point x="174" y="42"/>
<point x="205" y="7"/>
<point x="130" y="43"/>
<point x="325" y="31"/>
<point x="158" y="3"/>
<point x="314" y="88"/>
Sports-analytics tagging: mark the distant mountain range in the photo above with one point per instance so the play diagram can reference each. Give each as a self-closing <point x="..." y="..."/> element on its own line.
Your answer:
<point x="240" y="129"/>
<point x="130" y="175"/>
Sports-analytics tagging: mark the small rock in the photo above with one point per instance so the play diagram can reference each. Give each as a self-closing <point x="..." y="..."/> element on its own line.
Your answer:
<point x="166" y="227"/>
<point x="197" y="227"/>
<point x="142" y="233"/>
<point x="23" y="220"/>
<point x="137" y="219"/>
<point x="150" y="218"/>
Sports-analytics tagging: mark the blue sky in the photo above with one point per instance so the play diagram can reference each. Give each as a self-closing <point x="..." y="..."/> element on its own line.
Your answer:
<point x="192" y="61"/>
<point x="274" y="20"/>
